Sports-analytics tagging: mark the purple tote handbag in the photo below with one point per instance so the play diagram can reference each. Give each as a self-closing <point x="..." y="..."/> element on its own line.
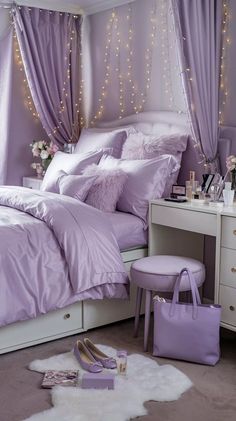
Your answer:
<point x="186" y="331"/>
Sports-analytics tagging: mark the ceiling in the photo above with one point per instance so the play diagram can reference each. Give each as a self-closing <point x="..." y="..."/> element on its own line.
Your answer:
<point x="87" y="7"/>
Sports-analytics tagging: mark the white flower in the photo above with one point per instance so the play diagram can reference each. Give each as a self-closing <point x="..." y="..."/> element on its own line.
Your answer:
<point x="40" y="144"/>
<point x="44" y="155"/>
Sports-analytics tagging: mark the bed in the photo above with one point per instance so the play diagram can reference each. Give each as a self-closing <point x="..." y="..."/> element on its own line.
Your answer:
<point x="85" y="314"/>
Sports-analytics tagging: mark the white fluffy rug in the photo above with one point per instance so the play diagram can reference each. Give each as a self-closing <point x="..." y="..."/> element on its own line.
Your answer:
<point x="145" y="381"/>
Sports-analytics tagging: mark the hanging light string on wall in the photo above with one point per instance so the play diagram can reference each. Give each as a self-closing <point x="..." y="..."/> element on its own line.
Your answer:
<point x="28" y="100"/>
<point x="165" y="53"/>
<point x="107" y="54"/>
<point x="138" y="97"/>
<point x="225" y="40"/>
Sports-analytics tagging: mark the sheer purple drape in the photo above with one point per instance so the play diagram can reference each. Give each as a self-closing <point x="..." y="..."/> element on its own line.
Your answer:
<point x="6" y="57"/>
<point x="50" y="48"/>
<point x="198" y="24"/>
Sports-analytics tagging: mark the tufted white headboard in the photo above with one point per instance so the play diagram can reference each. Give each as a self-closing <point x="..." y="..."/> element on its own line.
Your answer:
<point x="162" y="123"/>
<point x="152" y="122"/>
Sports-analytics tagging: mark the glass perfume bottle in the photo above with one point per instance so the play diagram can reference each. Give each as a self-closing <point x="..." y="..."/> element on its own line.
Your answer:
<point x="122" y="363"/>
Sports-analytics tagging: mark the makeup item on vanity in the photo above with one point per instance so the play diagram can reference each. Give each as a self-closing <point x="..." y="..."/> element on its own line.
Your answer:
<point x="207" y="198"/>
<point x="178" y="190"/>
<point x="178" y="194"/>
<point x="191" y="185"/>
<point x="98" y="381"/>
<point x="86" y="359"/>
<point x="121" y="362"/>
<point x="105" y="360"/>
<point x="60" y="378"/>
<point x="207" y="180"/>
<point x="228" y="194"/>
<point x="176" y="199"/>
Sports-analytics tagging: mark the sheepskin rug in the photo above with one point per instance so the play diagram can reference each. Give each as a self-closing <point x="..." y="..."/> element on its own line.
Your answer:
<point x="145" y="381"/>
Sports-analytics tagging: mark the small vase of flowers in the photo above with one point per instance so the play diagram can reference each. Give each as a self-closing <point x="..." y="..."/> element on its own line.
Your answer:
<point x="45" y="152"/>
<point x="231" y="169"/>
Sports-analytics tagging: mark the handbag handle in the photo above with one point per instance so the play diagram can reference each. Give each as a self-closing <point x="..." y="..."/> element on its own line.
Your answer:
<point x="194" y="290"/>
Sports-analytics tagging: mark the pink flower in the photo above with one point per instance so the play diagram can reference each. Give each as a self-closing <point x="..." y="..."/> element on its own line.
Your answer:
<point x="35" y="152"/>
<point x="54" y="148"/>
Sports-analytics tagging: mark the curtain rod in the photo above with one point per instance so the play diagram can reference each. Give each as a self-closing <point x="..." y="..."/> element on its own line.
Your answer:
<point x="5" y="5"/>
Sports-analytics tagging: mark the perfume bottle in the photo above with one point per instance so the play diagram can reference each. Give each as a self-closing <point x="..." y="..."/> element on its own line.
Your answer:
<point x="121" y="362"/>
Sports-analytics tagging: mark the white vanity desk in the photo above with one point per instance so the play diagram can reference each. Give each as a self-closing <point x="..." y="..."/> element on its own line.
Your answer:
<point x="179" y="229"/>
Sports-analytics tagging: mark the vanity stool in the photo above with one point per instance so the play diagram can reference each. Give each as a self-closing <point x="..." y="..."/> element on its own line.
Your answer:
<point x="159" y="273"/>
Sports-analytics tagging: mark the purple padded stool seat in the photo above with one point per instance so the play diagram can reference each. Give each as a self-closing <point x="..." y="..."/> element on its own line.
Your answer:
<point x="159" y="273"/>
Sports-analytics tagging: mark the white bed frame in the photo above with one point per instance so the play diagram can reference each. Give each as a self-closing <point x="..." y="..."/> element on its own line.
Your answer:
<point x="82" y="316"/>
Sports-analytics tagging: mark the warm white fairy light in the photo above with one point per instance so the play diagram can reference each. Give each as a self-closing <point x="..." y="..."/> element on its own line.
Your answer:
<point x="138" y="96"/>
<point x="223" y="79"/>
<point x="103" y="91"/>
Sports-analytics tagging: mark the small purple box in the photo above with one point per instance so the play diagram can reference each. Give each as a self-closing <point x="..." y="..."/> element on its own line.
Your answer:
<point x="98" y="381"/>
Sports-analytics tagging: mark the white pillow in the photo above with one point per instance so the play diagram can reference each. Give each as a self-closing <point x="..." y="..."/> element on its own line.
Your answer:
<point x="71" y="164"/>
<point x="76" y="186"/>
<point x="94" y="139"/>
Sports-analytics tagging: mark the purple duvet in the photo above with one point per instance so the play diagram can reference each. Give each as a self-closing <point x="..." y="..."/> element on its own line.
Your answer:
<point x="54" y="250"/>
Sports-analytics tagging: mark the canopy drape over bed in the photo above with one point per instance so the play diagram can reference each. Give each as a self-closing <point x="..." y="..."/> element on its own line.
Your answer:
<point x="50" y="48"/>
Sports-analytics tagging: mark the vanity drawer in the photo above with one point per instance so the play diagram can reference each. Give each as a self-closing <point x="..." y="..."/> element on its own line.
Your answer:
<point x="228" y="231"/>
<point x="227" y="300"/>
<point x="185" y="219"/>
<point x="228" y="267"/>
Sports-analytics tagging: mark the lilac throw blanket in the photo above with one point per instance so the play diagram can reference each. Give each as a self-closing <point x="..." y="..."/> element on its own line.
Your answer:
<point x="54" y="250"/>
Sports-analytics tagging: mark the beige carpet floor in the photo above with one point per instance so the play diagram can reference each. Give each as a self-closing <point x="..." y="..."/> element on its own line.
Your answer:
<point x="213" y="397"/>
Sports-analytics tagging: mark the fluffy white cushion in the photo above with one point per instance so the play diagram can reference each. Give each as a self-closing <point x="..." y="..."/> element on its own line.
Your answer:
<point x="107" y="187"/>
<point x="71" y="164"/>
<point x="141" y="146"/>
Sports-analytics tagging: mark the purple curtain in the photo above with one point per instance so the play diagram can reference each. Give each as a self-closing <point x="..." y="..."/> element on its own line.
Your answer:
<point x="6" y="57"/>
<point x="198" y="24"/>
<point x="50" y="48"/>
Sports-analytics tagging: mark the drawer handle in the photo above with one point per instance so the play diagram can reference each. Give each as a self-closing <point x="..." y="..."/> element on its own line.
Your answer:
<point x="66" y="316"/>
<point x="232" y="308"/>
<point x="233" y="269"/>
<point x="234" y="232"/>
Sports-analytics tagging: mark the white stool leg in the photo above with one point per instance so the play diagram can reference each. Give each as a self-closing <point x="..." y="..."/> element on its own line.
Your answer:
<point x="137" y="310"/>
<point x="147" y="318"/>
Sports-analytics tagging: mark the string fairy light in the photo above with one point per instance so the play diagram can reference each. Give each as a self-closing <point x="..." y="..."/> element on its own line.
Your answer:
<point x="107" y="53"/>
<point x="138" y="96"/>
<point x="225" y="40"/>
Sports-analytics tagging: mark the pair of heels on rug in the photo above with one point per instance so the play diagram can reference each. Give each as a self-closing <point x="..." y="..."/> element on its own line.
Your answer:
<point x="91" y="358"/>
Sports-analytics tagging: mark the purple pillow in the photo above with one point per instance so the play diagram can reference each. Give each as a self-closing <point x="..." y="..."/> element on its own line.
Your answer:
<point x="94" y="139"/>
<point x="146" y="181"/>
<point x="76" y="186"/>
<point x="71" y="164"/>
<point x="107" y="188"/>
<point x="141" y="146"/>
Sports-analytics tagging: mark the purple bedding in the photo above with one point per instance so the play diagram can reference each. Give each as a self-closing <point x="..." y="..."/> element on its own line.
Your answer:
<point x="129" y="230"/>
<point x="54" y="250"/>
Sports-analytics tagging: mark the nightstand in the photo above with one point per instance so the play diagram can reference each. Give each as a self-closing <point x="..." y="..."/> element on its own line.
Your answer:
<point x="32" y="182"/>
